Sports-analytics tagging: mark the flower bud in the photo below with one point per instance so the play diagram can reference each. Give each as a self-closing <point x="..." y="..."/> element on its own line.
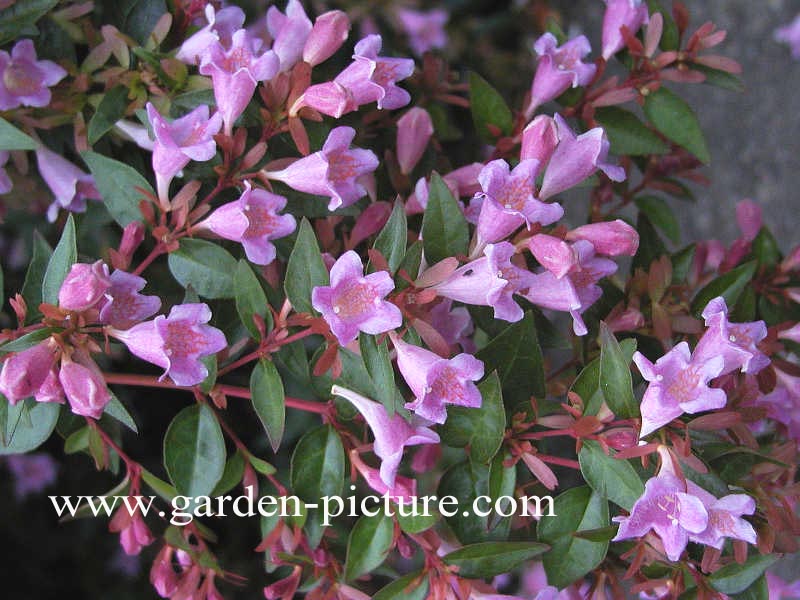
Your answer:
<point x="84" y="387"/>
<point x="539" y="139"/>
<point x="553" y="254"/>
<point x="414" y="131"/>
<point x="631" y="14"/>
<point x="84" y="286"/>
<point x="330" y="31"/>
<point x="24" y="373"/>
<point x="748" y="216"/>
<point x="612" y="238"/>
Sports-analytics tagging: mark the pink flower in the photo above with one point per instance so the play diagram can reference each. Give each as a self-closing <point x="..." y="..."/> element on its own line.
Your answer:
<point x="124" y="305"/>
<point x="611" y="238"/>
<point x="737" y="343"/>
<point x="221" y="26"/>
<point x="793" y="333"/>
<point x="32" y="472"/>
<point x="491" y="280"/>
<point x="779" y="589"/>
<point x="70" y="186"/>
<point x="748" y="217"/>
<point x="329" y="32"/>
<point x="539" y="139"/>
<point x="560" y="67"/>
<point x="25" y="81"/>
<point x="461" y="182"/>
<point x="392" y="435"/>
<point x="724" y="517"/>
<point x="189" y="138"/>
<point x="414" y="131"/>
<point x="790" y="34"/>
<point x="436" y="381"/>
<point x="83" y="385"/>
<point x="176" y="343"/>
<point x="5" y="180"/>
<point x="425" y="30"/>
<point x="133" y="532"/>
<point x="628" y="13"/>
<point x="355" y="302"/>
<point x="25" y="373"/>
<point x="289" y="32"/>
<point x="84" y="286"/>
<point x="253" y="221"/>
<point x="333" y="171"/>
<point x="576" y="158"/>
<point x="783" y="403"/>
<point x="235" y="72"/>
<point x="678" y="384"/>
<point x="453" y="324"/>
<point x="403" y="490"/>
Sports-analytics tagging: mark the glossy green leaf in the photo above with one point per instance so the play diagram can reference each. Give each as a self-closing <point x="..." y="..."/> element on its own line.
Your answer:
<point x="720" y="79"/>
<point x="26" y="425"/>
<point x="318" y="465"/>
<point x="444" y="228"/>
<point x="673" y="117"/>
<point x="487" y="559"/>
<point x="488" y="108"/>
<point x="661" y="215"/>
<point x="413" y="586"/>
<point x="765" y="248"/>
<point x="250" y="298"/>
<point x="231" y="476"/>
<point x="205" y="266"/>
<point x="587" y="384"/>
<point x="64" y="256"/>
<point x="379" y="366"/>
<point x="121" y="186"/>
<point x="730" y="286"/>
<point x="758" y="590"/>
<point x="735" y="578"/>
<point x="32" y="287"/>
<point x="627" y="134"/>
<point x="369" y="545"/>
<point x="110" y="110"/>
<point x="417" y="521"/>
<point x="305" y="269"/>
<point x="615" y="376"/>
<point x="28" y="340"/>
<point x="610" y="477"/>
<point x="117" y="410"/>
<point x="682" y="261"/>
<point x="391" y="241"/>
<point x="269" y="401"/>
<point x="194" y="451"/>
<point x="12" y="138"/>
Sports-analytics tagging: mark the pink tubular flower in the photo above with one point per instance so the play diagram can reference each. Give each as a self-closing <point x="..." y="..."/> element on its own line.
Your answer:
<point x="724" y="517"/>
<point x="329" y="32"/>
<point x="539" y="139"/>
<point x="678" y="384"/>
<point x="133" y="532"/>
<point x="333" y="171"/>
<point x="189" y="138"/>
<point x="631" y="14"/>
<point x="253" y="221"/>
<point x="355" y="302"/>
<point x="70" y="186"/>
<point x="611" y="238"/>
<point x="235" y="72"/>
<point x="289" y="33"/>
<point x="83" y="385"/>
<point x="32" y="472"/>
<point x="453" y="324"/>
<point x="425" y="30"/>
<point x="560" y="67"/>
<point x="491" y="280"/>
<point x="403" y="490"/>
<point x="414" y="131"/>
<point x="221" y="26"/>
<point x="84" y="286"/>
<point x="27" y="372"/>
<point x="508" y="201"/>
<point x="735" y="342"/>
<point x="25" y="81"/>
<point x="436" y="381"/>
<point x="176" y="343"/>
<point x="124" y="305"/>
<point x="461" y="182"/>
<point x="576" y="158"/>
<point x="790" y="34"/>
<point x="392" y="435"/>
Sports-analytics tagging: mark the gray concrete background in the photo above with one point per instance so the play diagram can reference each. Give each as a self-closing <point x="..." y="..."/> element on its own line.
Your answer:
<point x="754" y="136"/>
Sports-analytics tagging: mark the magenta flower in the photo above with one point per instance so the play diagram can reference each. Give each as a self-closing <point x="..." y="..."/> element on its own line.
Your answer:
<point x="84" y="286"/>
<point x="783" y="403"/>
<point x="678" y="384"/>
<point x="83" y="385"/>
<point x="392" y="435"/>
<point x="27" y="372"/>
<point x="735" y="342"/>
<point x="333" y="171"/>
<point x="453" y="324"/>
<point x="289" y="33"/>
<point x="539" y="139"/>
<point x="508" y="201"/>
<point x="329" y="32"/>
<point x="355" y="302"/>
<point x="189" y="138"/>
<point x="253" y="221"/>
<point x="176" y="343"/>
<point x="666" y="508"/>
<point x="235" y="72"/>
<point x="220" y="29"/>
<point x="425" y="30"/>
<point x="779" y="589"/>
<point x="124" y="305"/>
<point x="32" y="472"/>
<point x="629" y="13"/>
<point x="576" y="158"/>
<point x="611" y="238"/>
<point x="25" y="81"/>
<point x="436" y="381"/>
<point x="790" y="34"/>
<point x="133" y="532"/>
<point x="560" y="67"/>
<point x="724" y="517"/>
<point x="414" y="131"/>
<point x="491" y="280"/>
<point x="70" y="186"/>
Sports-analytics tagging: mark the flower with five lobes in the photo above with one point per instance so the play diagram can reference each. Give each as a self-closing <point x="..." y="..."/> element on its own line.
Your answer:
<point x="253" y="221"/>
<point x="724" y="517"/>
<point x="289" y="33"/>
<point x="678" y="384"/>
<point x="560" y="67"/>
<point x="123" y="306"/>
<point x="334" y="171"/>
<point x="220" y="29"/>
<point x="355" y="302"/>
<point x="24" y="80"/>
<point x="392" y="434"/>
<point x="631" y="14"/>
<point x="70" y="186"/>
<point x="176" y="343"/>
<point x="437" y="381"/>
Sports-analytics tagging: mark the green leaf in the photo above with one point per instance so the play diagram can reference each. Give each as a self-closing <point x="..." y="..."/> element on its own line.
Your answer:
<point x="32" y="287"/>
<point x="444" y="228"/>
<point x="269" y="402"/>
<point x="305" y="269"/>
<point x="570" y="557"/>
<point x="417" y="521"/>
<point x="735" y="578"/>
<point x="482" y="429"/>
<point x="587" y="384"/>
<point x="12" y="138"/>
<point x="121" y="186"/>
<point x="673" y="117"/>
<point x="487" y="559"/>
<point x="391" y="241"/>
<point x="413" y="586"/>
<point x="231" y="476"/>
<point x="205" y="266"/>
<point x="250" y="298"/>
<point x="610" y="477"/>
<point x="194" y="451"/>
<point x="517" y="357"/>
<point x="110" y="110"/>
<point x="730" y="286"/>
<point x="317" y="468"/>
<point x="28" y="340"/>
<point x="627" y="134"/>
<point x="488" y="108"/>
<point x="117" y="409"/>
<point x="766" y="249"/>
<point x="720" y="79"/>
<point x="369" y="545"/>
<point x="615" y="376"/>
<point x="682" y="261"/>
<point x="379" y="367"/>
<point x="64" y="256"/>
<point x="759" y="590"/>
<point x="26" y="425"/>
<point x="661" y="215"/>
<point x="20" y="18"/>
